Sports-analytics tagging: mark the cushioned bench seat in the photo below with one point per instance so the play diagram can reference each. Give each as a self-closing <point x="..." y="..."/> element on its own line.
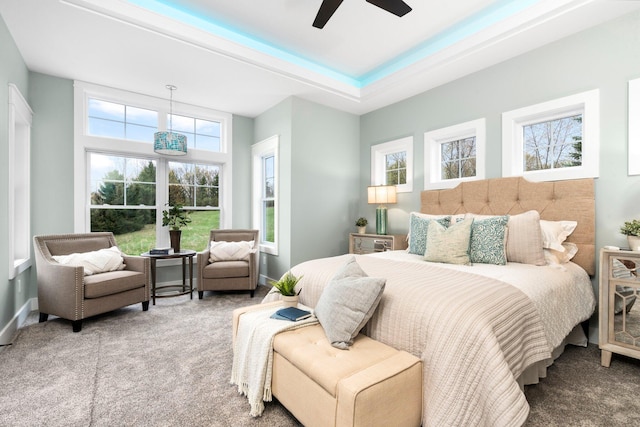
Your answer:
<point x="371" y="384"/>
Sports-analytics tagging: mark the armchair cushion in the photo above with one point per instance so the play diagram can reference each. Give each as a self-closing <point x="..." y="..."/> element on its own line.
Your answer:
<point x="230" y="251"/>
<point x="93" y="262"/>
<point x="113" y="282"/>
<point x="226" y="269"/>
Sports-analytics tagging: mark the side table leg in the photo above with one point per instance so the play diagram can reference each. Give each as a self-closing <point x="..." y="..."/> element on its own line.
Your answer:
<point x="184" y="272"/>
<point x="191" y="277"/>
<point x="153" y="280"/>
<point x="605" y="358"/>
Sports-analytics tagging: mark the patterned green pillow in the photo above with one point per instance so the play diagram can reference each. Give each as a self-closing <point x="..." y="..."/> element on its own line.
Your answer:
<point x="449" y="245"/>
<point x="418" y="227"/>
<point x="488" y="240"/>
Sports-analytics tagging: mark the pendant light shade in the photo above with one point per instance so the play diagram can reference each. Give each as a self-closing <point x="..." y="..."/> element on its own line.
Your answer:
<point x="168" y="142"/>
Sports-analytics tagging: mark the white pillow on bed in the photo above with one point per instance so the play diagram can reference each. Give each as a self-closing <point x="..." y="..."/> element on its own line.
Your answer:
<point x="347" y="303"/>
<point x="561" y="257"/>
<point x="554" y="233"/>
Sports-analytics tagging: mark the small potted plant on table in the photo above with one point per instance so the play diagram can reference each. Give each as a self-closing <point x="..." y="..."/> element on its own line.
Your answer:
<point x="175" y="218"/>
<point x="286" y="287"/>
<point x="631" y="229"/>
<point x="361" y="223"/>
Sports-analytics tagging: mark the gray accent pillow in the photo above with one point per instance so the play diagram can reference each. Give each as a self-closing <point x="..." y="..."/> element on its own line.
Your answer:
<point x="449" y="245"/>
<point x="347" y="303"/>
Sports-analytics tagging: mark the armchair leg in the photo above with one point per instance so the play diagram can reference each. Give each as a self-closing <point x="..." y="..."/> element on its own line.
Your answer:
<point x="77" y="325"/>
<point x="252" y="293"/>
<point x="200" y="294"/>
<point x="43" y="317"/>
<point x="145" y="305"/>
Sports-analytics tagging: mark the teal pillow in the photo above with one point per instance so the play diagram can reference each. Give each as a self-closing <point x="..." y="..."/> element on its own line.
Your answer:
<point x="488" y="240"/>
<point x="449" y="245"/>
<point x="418" y="227"/>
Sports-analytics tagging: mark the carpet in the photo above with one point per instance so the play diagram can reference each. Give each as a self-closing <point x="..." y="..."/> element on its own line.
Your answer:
<point x="171" y="365"/>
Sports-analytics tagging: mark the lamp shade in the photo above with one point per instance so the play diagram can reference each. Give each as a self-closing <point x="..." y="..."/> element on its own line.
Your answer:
<point x="170" y="143"/>
<point x="379" y="194"/>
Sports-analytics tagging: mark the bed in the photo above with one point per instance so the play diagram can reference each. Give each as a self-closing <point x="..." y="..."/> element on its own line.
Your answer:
<point x="482" y="330"/>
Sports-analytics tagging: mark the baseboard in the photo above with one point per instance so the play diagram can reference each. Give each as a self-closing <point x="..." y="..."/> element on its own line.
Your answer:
<point x="7" y="333"/>
<point x="265" y="280"/>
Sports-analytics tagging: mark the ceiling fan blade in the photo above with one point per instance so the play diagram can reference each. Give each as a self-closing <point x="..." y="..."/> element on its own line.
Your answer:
<point x="397" y="7"/>
<point x="327" y="8"/>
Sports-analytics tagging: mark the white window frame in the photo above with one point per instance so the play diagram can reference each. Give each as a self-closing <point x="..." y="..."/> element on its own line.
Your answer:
<point x="433" y="141"/>
<point x="84" y="143"/>
<point x="634" y="127"/>
<point x="19" y="221"/>
<point x="585" y="103"/>
<point x="378" y="162"/>
<point x="260" y="150"/>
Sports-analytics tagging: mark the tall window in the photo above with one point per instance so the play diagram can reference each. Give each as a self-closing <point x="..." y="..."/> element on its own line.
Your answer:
<point x="19" y="232"/>
<point x="265" y="193"/>
<point x="127" y="185"/>
<point x="392" y="164"/>
<point x="454" y="154"/>
<point x="554" y="140"/>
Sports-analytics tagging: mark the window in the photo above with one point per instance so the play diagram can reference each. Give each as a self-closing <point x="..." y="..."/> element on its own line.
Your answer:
<point x="265" y="193"/>
<point x="19" y="232"/>
<point x="454" y="154"/>
<point x="127" y="185"/>
<point x="392" y="164"/>
<point x="634" y="127"/>
<point x="553" y="140"/>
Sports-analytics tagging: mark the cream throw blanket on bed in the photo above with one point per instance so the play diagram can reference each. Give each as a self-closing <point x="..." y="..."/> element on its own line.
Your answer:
<point x="253" y="354"/>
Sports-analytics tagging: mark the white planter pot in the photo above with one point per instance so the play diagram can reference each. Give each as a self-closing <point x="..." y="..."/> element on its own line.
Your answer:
<point x="362" y="230"/>
<point x="634" y="242"/>
<point x="289" y="301"/>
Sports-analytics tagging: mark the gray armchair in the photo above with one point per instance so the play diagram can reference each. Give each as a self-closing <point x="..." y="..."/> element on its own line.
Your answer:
<point x="229" y="275"/>
<point x="64" y="290"/>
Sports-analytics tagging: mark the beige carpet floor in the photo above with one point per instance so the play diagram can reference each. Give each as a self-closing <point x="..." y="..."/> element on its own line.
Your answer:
<point x="171" y="366"/>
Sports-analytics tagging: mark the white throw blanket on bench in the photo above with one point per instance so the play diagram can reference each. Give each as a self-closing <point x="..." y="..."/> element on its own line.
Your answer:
<point x="253" y="354"/>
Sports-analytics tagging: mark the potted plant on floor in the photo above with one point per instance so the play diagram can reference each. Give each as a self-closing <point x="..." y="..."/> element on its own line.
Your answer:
<point x="361" y="223"/>
<point x="631" y="229"/>
<point x="175" y="218"/>
<point x="286" y="287"/>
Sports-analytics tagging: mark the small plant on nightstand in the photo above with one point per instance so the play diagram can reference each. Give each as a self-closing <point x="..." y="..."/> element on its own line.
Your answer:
<point x="631" y="229"/>
<point x="361" y="223"/>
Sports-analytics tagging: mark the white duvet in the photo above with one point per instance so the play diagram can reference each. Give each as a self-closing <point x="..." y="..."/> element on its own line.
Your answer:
<point x="476" y="328"/>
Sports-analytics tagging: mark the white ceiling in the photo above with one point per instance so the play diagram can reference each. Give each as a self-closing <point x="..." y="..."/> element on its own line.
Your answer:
<point x="245" y="56"/>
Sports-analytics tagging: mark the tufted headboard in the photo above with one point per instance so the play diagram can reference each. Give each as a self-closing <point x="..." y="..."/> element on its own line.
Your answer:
<point x="555" y="201"/>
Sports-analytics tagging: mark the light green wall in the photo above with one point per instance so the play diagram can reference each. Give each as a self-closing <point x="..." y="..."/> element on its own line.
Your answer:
<point x="12" y="70"/>
<point x="325" y="186"/>
<point x="278" y="121"/>
<point x="605" y="57"/>
<point x="242" y="140"/>
<point x="319" y="180"/>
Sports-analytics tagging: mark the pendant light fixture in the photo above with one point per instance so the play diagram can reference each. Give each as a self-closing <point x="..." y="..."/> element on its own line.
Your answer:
<point x="170" y="143"/>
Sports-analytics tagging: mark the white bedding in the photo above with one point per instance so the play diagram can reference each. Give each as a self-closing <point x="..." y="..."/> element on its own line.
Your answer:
<point x="562" y="294"/>
<point x="476" y="336"/>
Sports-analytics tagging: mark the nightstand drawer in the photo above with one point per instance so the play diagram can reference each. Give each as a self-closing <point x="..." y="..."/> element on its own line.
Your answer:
<point x="370" y="243"/>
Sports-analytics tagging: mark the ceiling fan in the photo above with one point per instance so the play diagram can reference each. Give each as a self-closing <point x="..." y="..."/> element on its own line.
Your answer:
<point x="328" y="7"/>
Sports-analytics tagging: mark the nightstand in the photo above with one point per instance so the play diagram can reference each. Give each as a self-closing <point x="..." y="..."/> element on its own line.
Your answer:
<point x="370" y="243"/>
<point x="619" y="315"/>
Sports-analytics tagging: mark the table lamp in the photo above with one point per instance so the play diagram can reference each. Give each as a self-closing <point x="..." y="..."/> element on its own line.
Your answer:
<point x="381" y="194"/>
